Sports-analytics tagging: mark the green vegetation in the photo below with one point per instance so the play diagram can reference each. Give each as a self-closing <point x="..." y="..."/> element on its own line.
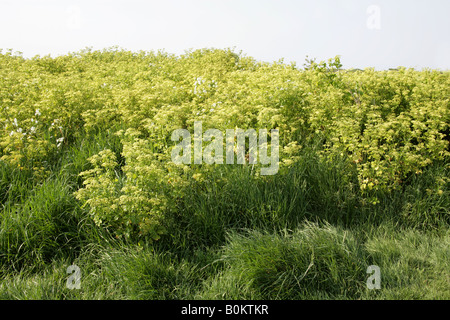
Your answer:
<point x="87" y="179"/>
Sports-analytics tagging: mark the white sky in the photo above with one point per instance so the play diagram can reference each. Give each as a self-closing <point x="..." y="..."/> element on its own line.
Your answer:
<point x="366" y="33"/>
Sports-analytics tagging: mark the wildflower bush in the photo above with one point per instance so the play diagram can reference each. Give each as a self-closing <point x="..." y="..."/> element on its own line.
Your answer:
<point x="389" y="124"/>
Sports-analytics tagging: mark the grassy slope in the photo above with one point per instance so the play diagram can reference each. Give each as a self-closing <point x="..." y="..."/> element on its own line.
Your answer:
<point x="305" y="233"/>
<point x="302" y="234"/>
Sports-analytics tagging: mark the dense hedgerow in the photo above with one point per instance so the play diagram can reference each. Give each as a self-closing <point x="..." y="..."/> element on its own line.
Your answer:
<point x="390" y="125"/>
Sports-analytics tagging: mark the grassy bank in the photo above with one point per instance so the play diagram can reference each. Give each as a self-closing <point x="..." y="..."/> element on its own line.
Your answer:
<point x="91" y="183"/>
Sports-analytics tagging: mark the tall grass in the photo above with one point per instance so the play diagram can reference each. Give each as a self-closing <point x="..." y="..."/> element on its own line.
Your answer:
<point x="305" y="233"/>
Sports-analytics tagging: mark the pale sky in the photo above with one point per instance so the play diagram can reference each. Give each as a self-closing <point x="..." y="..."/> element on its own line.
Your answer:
<point x="365" y="33"/>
